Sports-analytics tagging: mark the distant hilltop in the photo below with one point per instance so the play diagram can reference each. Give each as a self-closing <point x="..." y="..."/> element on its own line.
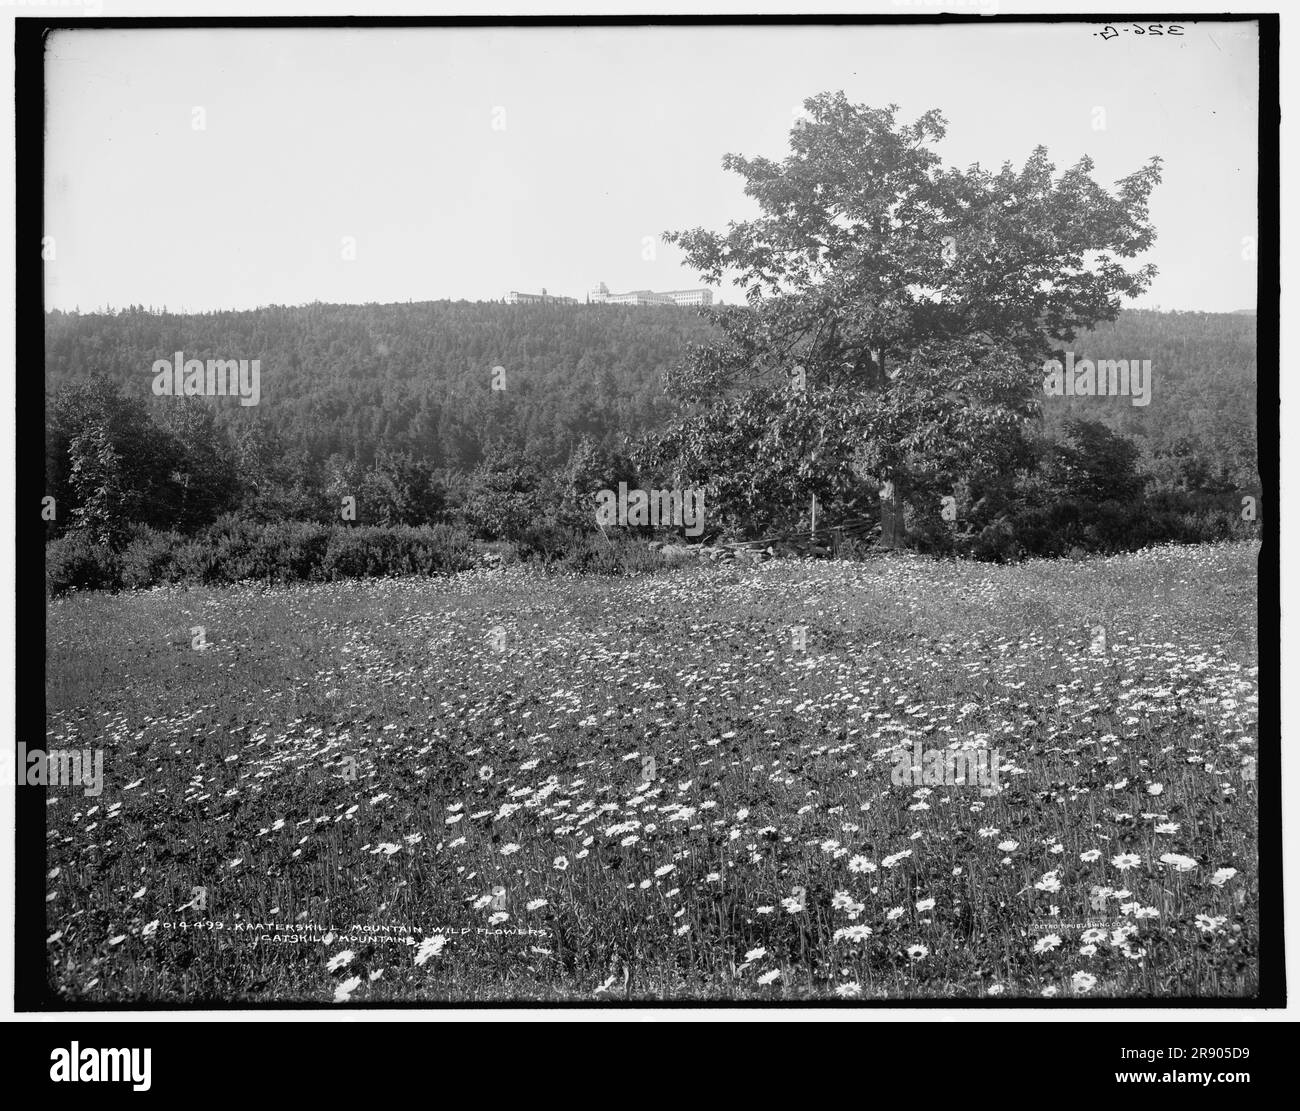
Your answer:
<point x="600" y="295"/>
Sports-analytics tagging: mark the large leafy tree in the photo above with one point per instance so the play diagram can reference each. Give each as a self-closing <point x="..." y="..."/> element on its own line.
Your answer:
<point x="896" y="313"/>
<point x="108" y="466"/>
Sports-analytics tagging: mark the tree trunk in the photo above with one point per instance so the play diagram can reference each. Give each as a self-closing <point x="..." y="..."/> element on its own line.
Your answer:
<point x="893" y="529"/>
<point x="893" y="532"/>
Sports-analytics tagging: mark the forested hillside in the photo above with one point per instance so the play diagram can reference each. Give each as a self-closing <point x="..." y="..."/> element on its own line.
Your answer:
<point x="354" y="379"/>
<point x="1199" y="430"/>
<point x="394" y="416"/>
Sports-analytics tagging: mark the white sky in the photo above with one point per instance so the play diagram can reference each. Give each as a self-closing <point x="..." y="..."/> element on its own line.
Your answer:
<point x="611" y="135"/>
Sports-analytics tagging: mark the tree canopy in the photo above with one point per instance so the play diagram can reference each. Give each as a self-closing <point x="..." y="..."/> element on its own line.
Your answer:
<point x="893" y="303"/>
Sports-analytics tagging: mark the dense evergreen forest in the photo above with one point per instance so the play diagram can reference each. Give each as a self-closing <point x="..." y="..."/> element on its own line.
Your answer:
<point x="353" y="380"/>
<point x="1198" y="433"/>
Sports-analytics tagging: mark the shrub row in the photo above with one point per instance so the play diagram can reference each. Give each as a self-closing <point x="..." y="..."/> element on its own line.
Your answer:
<point x="1069" y="526"/>
<point x="236" y="550"/>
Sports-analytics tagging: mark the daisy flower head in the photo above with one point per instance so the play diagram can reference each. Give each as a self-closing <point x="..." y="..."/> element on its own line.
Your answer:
<point x="429" y="947"/>
<point x="343" y="992"/>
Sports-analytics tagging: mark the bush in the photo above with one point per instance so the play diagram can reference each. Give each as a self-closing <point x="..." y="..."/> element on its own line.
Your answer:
<point x="293" y="551"/>
<point x="148" y="559"/>
<point x="194" y="561"/>
<point x="856" y="548"/>
<point x="76" y="562"/>
<point x="496" y="553"/>
<point x="233" y="551"/>
<point x="932" y="535"/>
<point x="549" y="543"/>
<point x="238" y="548"/>
<point x="997" y="542"/>
<point x="373" y="551"/>
<point x="594" y="555"/>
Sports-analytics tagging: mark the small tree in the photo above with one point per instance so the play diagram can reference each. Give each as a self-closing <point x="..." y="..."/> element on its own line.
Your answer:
<point x="505" y="495"/>
<point x="1094" y="464"/>
<point x="204" y="482"/>
<point x="589" y="470"/>
<point x="400" y="490"/>
<point x="95" y="474"/>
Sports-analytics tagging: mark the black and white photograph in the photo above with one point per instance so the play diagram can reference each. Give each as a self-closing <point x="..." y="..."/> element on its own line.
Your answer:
<point x="612" y="513"/>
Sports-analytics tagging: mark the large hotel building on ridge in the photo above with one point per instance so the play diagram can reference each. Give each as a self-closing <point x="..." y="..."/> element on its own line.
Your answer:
<point x="543" y="298"/>
<point x="601" y="295"/>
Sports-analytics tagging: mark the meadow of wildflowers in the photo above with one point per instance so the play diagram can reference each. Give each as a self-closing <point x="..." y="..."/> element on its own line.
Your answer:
<point x="511" y="785"/>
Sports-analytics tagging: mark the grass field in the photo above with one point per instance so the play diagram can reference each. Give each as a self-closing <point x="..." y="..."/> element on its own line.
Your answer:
<point x="671" y="790"/>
